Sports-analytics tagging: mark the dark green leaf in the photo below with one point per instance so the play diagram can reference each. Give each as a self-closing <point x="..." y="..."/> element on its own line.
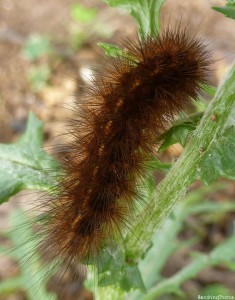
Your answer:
<point x="156" y="164"/>
<point x="111" y="260"/>
<point x="132" y="279"/>
<point x="228" y="10"/>
<point x="179" y="132"/>
<point x="110" y="265"/>
<point x="25" y="165"/>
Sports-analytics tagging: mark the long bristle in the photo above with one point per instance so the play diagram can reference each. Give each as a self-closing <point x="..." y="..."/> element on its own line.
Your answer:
<point x="129" y="105"/>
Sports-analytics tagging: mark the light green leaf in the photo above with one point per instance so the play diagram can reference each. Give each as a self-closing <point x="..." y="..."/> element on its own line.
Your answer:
<point x="25" y="165"/>
<point x="218" y="159"/>
<point x="108" y="278"/>
<point x="220" y="254"/>
<point x="111" y="50"/>
<point x="33" y="275"/>
<point x="224" y="252"/>
<point x="209" y="89"/>
<point x="145" y="12"/>
<point x="215" y="290"/>
<point x="83" y="14"/>
<point x="115" y="51"/>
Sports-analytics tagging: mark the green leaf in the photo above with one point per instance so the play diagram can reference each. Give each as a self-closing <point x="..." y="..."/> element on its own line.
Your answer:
<point x="110" y="266"/>
<point x="181" y="129"/>
<point x="36" y="46"/>
<point x="183" y="173"/>
<point x="228" y="11"/>
<point x="111" y="50"/>
<point x="115" y="51"/>
<point x="32" y="275"/>
<point x="132" y="279"/>
<point x="218" y="159"/>
<point x="220" y="254"/>
<point x="215" y="290"/>
<point x="83" y="14"/>
<point x="113" y="268"/>
<point x="155" y="164"/>
<point x="145" y="12"/>
<point x="111" y="260"/>
<point x="25" y="165"/>
<point x="179" y="132"/>
<point x="209" y="89"/>
<point x="224" y="252"/>
<point x="108" y="278"/>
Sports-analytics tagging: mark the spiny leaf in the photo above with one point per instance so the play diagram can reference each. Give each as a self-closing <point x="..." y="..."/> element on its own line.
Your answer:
<point x="25" y="165"/>
<point x="218" y="159"/>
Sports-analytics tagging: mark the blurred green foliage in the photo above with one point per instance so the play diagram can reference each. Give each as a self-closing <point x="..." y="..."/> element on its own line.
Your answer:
<point x="36" y="46"/>
<point x="31" y="279"/>
<point x="82" y="14"/>
<point x="228" y="10"/>
<point x="38" y="77"/>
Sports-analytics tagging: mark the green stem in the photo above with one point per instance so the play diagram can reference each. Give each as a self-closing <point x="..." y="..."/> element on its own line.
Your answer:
<point x="172" y="285"/>
<point x="221" y="254"/>
<point x="174" y="187"/>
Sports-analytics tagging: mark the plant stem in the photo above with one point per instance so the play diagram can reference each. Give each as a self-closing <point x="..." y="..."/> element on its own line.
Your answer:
<point x="185" y="171"/>
<point x="221" y="254"/>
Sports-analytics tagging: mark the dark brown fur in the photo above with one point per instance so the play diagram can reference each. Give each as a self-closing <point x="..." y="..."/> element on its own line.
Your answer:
<point x="128" y="107"/>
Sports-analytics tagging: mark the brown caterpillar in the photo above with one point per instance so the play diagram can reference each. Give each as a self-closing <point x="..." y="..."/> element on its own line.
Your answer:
<point x="128" y="106"/>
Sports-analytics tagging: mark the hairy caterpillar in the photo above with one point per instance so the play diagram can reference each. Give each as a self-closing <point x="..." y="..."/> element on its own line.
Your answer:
<point x="131" y="101"/>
